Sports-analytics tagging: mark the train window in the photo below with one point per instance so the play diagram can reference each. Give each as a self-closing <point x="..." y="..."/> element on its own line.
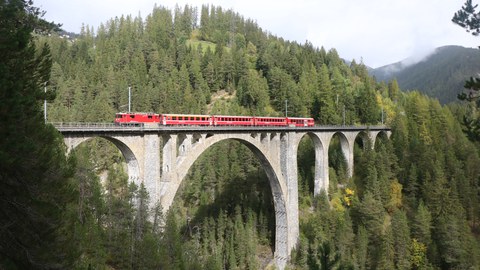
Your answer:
<point x="132" y="116"/>
<point x="150" y="117"/>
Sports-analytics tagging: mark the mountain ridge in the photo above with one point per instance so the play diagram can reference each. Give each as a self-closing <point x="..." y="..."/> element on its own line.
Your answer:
<point x="441" y="74"/>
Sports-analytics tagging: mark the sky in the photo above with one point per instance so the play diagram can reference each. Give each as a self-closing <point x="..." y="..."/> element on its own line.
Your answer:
<point x="377" y="32"/>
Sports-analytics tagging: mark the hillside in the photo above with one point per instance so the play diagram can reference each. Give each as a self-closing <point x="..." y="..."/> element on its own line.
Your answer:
<point x="441" y="75"/>
<point x="412" y="202"/>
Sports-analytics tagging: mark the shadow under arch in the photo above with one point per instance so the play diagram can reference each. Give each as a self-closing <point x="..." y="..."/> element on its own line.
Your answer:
<point x="346" y="148"/>
<point x="133" y="168"/>
<point x="381" y="137"/>
<point x="321" y="163"/>
<point x="363" y="137"/>
<point x="273" y="172"/>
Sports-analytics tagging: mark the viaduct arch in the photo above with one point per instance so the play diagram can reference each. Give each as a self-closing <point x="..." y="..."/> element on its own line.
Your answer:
<point x="160" y="159"/>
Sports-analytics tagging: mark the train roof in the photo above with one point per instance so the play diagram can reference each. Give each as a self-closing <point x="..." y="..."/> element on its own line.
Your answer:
<point x="179" y="114"/>
<point x="300" y="118"/>
<point x="135" y="113"/>
<point x="232" y="116"/>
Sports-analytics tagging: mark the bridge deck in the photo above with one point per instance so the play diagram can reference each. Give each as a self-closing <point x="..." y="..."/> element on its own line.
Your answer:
<point x="110" y="127"/>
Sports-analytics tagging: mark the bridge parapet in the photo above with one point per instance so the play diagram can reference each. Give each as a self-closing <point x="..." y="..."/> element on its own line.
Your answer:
<point x="95" y="127"/>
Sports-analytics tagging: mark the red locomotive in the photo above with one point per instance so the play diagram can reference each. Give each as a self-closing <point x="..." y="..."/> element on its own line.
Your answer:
<point x="209" y="120"/>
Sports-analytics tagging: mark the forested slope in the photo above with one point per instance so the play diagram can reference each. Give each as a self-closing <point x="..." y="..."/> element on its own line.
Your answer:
<point x="412" y="203"/>
<point x="440" y="75"/>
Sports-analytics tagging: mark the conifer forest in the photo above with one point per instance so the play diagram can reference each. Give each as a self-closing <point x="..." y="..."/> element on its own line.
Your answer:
<point x="412" y="203"/>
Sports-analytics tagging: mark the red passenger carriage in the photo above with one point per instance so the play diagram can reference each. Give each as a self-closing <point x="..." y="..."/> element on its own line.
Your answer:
<point x="209" y="120"/>
<point x="228" y="120"/>
<point x="300" y="122"/>
<point x="185" y="120"/>
<point x="270" y="121"/>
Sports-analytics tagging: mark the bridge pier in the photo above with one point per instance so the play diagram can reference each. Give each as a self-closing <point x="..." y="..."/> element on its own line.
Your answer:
<point x="321" y="143"/>
<point x="347" y="142"/>
<point x="288" y="165"/>
<point x="151" y="166"/>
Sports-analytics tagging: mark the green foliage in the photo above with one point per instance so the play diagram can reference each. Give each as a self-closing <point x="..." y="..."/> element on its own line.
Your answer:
<point x="253" y="92"/>
<point x="415" y="203"/>
<point x="468" y="18"/>
<point x="35" y="177"/>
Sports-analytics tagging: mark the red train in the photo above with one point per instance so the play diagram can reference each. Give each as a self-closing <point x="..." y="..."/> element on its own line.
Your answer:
<point x="209" y="120"/>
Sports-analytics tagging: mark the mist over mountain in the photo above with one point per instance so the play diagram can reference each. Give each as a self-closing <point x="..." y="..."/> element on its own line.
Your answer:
<point x="440" y="74"/>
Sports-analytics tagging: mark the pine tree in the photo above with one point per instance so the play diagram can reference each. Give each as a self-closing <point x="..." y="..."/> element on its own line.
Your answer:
<point x="361" y="244"/>
<point x="172" y="244"/>
<point x="366" y="104"/>
<point x="468" y="18"/>
<point x="401" y="237"/>
<point x="422" y="225"/>
<point x="323" y="107"/>
<point x="253" y="92"/>
<point x="393" y="90"/>
<point x="34" y="173"/>
<point x="87" y="215"/>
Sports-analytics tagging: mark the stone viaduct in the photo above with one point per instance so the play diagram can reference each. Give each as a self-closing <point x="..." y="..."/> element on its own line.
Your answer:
<point x="160" y="157"/>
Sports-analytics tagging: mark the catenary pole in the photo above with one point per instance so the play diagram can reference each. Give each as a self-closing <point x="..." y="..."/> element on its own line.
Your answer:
<point x="45" y="103"/>
<point x="129" y="97"/>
